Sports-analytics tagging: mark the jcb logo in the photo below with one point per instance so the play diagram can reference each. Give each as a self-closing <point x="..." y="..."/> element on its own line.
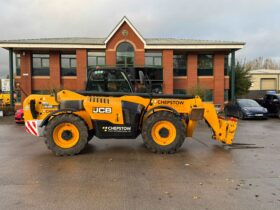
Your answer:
<point x="102" y="110"/>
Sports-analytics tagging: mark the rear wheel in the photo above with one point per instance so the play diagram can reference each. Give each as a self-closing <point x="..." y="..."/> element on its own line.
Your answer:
<point x="163" y="132"/>
<point x="66" y="134"/>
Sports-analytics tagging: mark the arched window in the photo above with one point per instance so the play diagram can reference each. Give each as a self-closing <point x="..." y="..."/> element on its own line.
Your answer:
<point x="125" y="55"/>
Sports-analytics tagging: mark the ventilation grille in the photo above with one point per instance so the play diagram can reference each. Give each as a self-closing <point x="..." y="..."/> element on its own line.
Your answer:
<point x="101" y="100"/>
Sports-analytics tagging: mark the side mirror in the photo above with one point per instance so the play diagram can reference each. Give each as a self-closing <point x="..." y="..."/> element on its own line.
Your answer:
<point x="141" y="77"/>
<point x="275" y="100"/>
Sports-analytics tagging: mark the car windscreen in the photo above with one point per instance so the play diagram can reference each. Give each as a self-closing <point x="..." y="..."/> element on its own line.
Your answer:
<point x="247" y="103"/>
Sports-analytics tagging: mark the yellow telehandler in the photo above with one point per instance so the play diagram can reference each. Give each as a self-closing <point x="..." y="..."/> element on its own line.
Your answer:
<point x="110" y="108"/>
<point x="4" y="99"/>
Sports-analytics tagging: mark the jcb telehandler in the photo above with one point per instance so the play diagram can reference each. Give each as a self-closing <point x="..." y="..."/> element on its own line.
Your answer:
<point x="4" y="99"/>
<point x="68" y="120"/>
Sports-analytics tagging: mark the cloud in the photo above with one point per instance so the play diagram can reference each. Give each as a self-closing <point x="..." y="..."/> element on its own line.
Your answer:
<point x="252" y="21"/>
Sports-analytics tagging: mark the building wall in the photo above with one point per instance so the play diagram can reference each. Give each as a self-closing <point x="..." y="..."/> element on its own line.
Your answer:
<point x="25" y="79"/>
<point x="130" y="37"/>
<point x="217" y="83"/>
<point x="29" y="83"/>
<point x="256" y="80"/>
<point x="55" y="69"/>
<point x="192" y="80"/>
<point x="167" y="62"/>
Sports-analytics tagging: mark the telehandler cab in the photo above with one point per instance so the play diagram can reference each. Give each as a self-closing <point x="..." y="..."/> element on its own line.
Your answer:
<point x="111" y="109"/>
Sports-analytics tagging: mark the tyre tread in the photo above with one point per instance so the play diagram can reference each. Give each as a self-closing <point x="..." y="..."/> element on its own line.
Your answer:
<point x="180" y="134"/>
<point x="77" y="121"/>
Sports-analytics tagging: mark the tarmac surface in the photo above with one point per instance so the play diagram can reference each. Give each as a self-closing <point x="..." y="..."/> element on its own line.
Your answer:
<point x="122" y="174"/>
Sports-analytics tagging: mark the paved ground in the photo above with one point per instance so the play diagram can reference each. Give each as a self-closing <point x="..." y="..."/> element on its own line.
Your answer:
<point x="122" y="174"/>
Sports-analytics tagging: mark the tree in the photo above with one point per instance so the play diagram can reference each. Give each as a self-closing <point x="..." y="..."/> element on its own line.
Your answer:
<point x="262" y="63"/>
<point x="203" y="93"/>
<point x="242" y="79"/>
<point x="197" y="91"/>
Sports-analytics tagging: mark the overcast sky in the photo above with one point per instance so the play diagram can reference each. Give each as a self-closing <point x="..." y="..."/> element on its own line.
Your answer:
<point x="255" y="22"/>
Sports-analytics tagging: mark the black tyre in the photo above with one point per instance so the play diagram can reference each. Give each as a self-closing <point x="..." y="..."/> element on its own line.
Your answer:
<point x="241" y="115"/>
<point x="66" y="135"/>
<point x="163" y="132"/>
<point x="90" y="135"/>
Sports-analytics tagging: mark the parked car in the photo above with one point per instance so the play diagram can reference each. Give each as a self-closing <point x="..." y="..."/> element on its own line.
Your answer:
<point x="245" y="109"/>
<point x="19" y="118"/>
<point x="271" y="101"/>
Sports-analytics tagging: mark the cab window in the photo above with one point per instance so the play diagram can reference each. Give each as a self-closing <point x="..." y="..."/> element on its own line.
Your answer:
<point x="108" y="81"/>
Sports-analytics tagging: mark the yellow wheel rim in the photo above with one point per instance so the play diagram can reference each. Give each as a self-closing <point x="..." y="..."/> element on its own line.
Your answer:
<point x="66" y="135"/>
<point x="163" y="133"/>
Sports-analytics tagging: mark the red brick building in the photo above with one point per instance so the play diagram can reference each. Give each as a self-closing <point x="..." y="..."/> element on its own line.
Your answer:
<point x="44" y="64"/>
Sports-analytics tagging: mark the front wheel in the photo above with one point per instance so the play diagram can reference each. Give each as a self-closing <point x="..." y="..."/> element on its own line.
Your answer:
<point x="163" y="132"/>
<point x="241" y="115"/>
<point x="66" y="134"/>
<point x="90" y="135"/>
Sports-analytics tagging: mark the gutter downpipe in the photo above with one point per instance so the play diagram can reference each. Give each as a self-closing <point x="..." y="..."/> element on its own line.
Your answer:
<point x="11" y="68"/>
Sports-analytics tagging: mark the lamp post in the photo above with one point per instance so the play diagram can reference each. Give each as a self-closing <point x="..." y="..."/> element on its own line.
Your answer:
<point x="232" y="86"/>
